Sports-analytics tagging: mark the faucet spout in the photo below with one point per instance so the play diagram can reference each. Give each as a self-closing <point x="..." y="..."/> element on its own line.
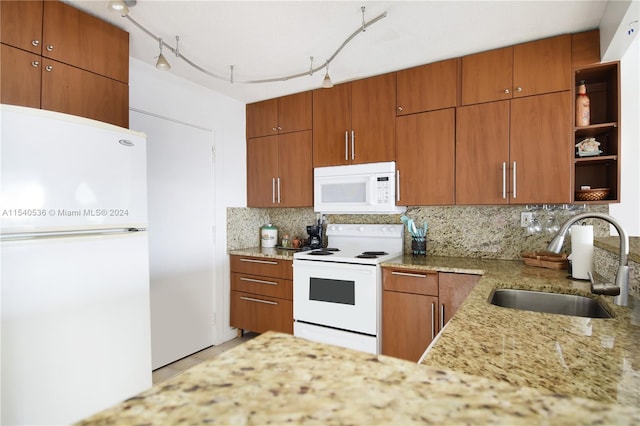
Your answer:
<point x="622" y="277"/>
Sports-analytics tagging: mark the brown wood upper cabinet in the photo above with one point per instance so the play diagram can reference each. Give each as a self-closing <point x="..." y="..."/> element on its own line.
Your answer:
<point x="541" y="66"/>
<point x="354" y="123"/>
<point x="279" y="171"/>
<point x="59" y="58"/>
<point x="84" y="41"/>
<point x="511" y="152"/>
<point x="22" y="24"/>
<point x="425" y="158"/>
<point x="281" y="115"/>
<point x="427" y="87"/>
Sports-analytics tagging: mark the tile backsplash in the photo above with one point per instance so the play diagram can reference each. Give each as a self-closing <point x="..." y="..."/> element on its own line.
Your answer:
<point x="492" y="232"/>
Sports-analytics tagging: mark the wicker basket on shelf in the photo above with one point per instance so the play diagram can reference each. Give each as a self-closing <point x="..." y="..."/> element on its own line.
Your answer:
<point x="595" y="194"/>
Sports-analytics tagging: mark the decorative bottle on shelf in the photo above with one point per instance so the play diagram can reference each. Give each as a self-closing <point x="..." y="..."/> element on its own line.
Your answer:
<point x="583" y="110"/>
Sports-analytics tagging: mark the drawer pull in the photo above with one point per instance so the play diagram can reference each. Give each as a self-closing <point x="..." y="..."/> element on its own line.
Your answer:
<point x="251" y="299"/>
<point x="252" y="280"/>
<point x="408" y="274"/>
<point x="266" y="262"/>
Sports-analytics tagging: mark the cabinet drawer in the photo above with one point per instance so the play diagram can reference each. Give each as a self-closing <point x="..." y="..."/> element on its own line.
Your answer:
<point x="261" y="314"/>
<point x="267" y="267"/>
<point x="257" y="284"/>
<point x="410" y="281"/>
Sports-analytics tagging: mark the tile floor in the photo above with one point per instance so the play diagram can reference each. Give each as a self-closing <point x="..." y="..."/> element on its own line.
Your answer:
<point x="171" y="370"/>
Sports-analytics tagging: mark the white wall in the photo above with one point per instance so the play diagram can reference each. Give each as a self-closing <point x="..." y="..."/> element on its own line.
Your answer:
<point x="617" y="43"/>
<point x="168" y="96"/>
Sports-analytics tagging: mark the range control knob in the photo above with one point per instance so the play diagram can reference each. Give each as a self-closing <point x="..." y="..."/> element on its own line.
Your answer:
<point x="361" y="228"/>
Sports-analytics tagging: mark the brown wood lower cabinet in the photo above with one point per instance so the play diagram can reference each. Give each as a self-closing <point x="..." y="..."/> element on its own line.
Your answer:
<point x="416" y="305"/>
<point x="261" y="294"/>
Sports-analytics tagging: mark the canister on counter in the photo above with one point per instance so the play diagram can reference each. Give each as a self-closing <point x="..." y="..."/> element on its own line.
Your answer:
<point x="268" y="235"/>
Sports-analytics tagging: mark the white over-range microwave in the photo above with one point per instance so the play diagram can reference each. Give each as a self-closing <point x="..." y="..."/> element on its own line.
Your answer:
<point x="356" y="189"/>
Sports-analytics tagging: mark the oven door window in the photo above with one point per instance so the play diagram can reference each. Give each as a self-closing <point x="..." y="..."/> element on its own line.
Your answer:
<point x="331" y="290"/>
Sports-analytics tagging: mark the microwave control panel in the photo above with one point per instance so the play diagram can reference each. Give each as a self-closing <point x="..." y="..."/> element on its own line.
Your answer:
<point x="383" y="189"/>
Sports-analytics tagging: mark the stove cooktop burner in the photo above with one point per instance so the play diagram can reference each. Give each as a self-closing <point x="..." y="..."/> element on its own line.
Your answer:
<point x="321" y="252"/>
<point x="371" y="254"/>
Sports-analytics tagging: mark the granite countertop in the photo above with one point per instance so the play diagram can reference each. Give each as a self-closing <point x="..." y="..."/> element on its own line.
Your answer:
<point x="277" y="378"/>
<point x="489" y="365"/>
<point x="268" y="252"/>
<point x="590" y="358"/>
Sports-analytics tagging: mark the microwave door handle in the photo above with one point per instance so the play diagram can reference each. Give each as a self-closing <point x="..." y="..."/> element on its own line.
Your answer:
<point x="397" y="185"/>
<point x="346" y="145"/>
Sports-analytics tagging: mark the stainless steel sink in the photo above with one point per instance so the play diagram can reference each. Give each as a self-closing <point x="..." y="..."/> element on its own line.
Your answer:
<point x="551" y="303"/>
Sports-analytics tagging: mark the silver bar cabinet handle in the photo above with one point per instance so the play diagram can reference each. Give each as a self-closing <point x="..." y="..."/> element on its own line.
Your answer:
<point x="408" y="274"/>
<point x="253" y="280"/>
<point x="504" y="179"/>
<point x="251" y="299"/>
<point x="441" y="316"/>
<point x="278" y="190"/>
<point x="353" y="144"/>
<point x="273" y="190"/>
<point x="433" y="320"/>
<point x="346" y="145"/>
<point x="266" y="262"/>
<point x="514" y="180"/>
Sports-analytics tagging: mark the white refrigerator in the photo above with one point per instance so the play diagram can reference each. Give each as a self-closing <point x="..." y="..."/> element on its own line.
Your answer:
<point x="74" y="289"/>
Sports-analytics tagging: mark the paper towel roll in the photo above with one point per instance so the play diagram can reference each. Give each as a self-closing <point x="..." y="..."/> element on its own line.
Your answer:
<point x="581" y="251"/>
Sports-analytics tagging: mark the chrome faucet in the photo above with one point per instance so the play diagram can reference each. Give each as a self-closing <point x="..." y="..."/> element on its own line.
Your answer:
<point x="621" y="287"/>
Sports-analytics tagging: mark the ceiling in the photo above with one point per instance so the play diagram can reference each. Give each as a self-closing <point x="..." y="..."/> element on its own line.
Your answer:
<point x="265" y="39"/>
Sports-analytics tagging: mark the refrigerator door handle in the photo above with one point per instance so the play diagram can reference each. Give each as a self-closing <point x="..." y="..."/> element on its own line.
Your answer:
<point x="58" y="234"/>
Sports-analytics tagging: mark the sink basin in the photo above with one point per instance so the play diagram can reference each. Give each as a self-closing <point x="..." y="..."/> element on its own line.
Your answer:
<point x="550" y="303"/>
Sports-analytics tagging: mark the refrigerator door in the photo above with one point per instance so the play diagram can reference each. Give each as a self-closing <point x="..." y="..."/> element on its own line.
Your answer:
<point x="61" y="172"/>
<point x="75" y="326"/>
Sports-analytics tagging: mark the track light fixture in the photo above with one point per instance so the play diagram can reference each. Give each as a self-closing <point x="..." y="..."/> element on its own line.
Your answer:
<point x="326" y="81"/>
<point x="163" y="64"/>
<point x="122" y="6"/>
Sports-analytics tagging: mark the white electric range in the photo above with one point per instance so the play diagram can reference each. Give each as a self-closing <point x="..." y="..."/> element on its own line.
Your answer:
<point x="337" y="291"/>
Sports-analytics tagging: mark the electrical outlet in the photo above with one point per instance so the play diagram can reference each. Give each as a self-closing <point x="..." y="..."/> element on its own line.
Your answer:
<point x="525" y="219"/>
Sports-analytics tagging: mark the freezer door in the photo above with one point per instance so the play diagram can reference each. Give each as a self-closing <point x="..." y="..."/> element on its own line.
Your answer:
<point x="64" y="172"/>
<point x="76" y="333"/>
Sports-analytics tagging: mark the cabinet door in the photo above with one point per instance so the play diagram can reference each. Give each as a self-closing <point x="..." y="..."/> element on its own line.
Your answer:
<point x="373" y="119"/>
<point x="262" y="171"/>
<point x="295" y="169"/>
<point x="408" y="324"/>
<point x="21" y="24"/>
<point x="79" y="39"/>
<point x="261" y="313"/>
<point x="20" y="77"/>
<point x="332" y="125"/>
<point x="425" y="157"/>
<point x="74" y="91"/>
<point x="542" y="66"/>
<point x="543" y="158"/>
<point x="427" y="87"/>
<point x="294" y="113"/>
<point x="487" y="76"/>
<point x="262" y="118"/>
<point x="453" y="290"/>
<point x="482" y="153"/>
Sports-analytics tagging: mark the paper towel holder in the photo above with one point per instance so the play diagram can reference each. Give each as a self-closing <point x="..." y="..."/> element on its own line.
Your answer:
<point x="622" y="277"/>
